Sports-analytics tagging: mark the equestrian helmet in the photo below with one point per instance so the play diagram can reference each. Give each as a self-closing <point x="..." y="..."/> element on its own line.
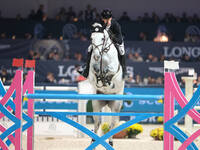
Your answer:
<point x="106" y="14"/>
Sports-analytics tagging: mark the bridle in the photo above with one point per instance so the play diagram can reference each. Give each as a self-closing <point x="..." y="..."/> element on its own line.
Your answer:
<point x="103" y="50"/>
<point x="102" y="76"/>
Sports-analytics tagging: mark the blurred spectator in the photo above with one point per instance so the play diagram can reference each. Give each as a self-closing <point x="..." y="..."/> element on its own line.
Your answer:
<point x="56" y="56"/>
<point x="5" y="77"/>
<point x="13" y="37"/>
<point x="44" y="17"/>
<point x="50" y="78"/>
<point x="130" y="79"/>
<point x="162" y="58"/>
<point x="69" y="31"/>
<point x="71" y="14"/>
<point x="40" y="13"/>
<point x="151" y="80"/>
<point x="138" y="79"/>
<point x="80" y="36"/>
<point x="88" y="13"/>
<point x="149" y="58"/>
<point x="188" y="38"/>
<point x="139" y="19"/>
<point x="159" y="81"/>
<point x="57" y="18"/>
<point x="50" y="56"/>
<point x="39" y="31"/>
<point x="178" y="19"/>
<point x="145" y="81"/>
<point x="142" y="36"/>
<point x="62" y="14"/>
<point x="53" y="55"/>
<point x="78" y="56"/>
<point x="83" y="37"/>
<point x="184" y="17"/>
<point x="124" y="17"/>
<point x="96" y="17"/>
<point x="155" y="18"/>
<point x="155" y="59"/>
<point x="66" y="58"/>
<point x="137" y="57"/>
<point x="130" y="56"/>
<point x="146" y="17"/>
<point x="80" y="16"/>
<point x="28" y="36"/>
<point x="192" y="34"/>
<point x="172" y="17"/>
<point x="197" y="82"/>
<point x="32" y="15"/>
<point x="49" y="36"/>
<point x="30" y="54"/>
<point x="186" y="58"/>
<point x="3" y="36"/>
<point x="166" y="18"/>
<point x="36" y="56"/>
<point x="61" y="38"/>
<point x="195" y="18"/>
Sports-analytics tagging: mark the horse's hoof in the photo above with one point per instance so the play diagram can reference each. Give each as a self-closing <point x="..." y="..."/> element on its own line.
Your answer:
<point x="92" y="140"/>
<point x="111" y="143"/>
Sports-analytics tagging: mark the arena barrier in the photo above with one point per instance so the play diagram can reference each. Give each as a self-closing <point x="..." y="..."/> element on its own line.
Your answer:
<point x="172" y="90"/>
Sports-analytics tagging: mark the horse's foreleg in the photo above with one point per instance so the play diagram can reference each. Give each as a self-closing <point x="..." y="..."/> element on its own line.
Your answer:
<point x="96" y="108"/>
<point x="96" y="126"/>
<point x="96" y="123"/>
<point x="115" y="107"/>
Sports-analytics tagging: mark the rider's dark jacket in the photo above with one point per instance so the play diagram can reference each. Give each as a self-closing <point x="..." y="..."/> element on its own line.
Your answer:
<point x="115" y="31"/>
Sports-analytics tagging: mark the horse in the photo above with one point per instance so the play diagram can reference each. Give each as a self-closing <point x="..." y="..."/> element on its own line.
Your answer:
<point x="105" y="74"/>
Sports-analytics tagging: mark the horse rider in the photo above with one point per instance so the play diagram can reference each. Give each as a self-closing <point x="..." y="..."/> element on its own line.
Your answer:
<point x="114" y="30"/>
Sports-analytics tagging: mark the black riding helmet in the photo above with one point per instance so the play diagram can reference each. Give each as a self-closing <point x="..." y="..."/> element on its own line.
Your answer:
<point x="106" y="14"/>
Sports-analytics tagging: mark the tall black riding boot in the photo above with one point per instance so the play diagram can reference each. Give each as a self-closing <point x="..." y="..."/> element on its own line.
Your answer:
<point x="85" y="71"/>
<point x="122" y="59"/>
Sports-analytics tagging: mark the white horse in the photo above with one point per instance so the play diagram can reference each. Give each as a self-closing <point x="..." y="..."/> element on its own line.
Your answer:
<point x="105" y="74"/>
